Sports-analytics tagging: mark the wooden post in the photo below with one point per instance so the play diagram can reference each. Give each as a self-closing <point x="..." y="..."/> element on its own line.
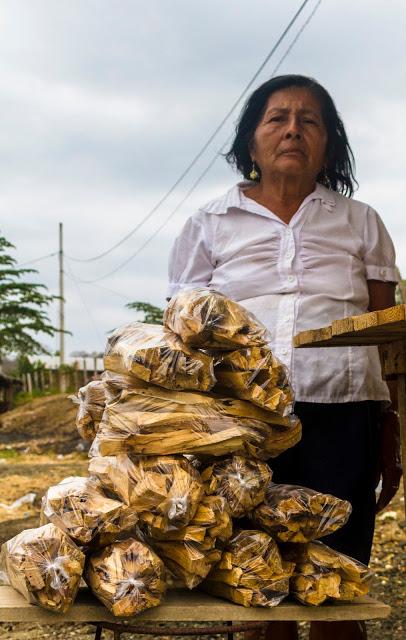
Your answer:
<point x="75" y="380"/>
<point x="402" y="420"/>
<point x="29" y="382"/>
<point x="84" y="372"/>
<point x="51" y="379"/>
<point x="42" y="379"/>
<point x="35" y="379"/>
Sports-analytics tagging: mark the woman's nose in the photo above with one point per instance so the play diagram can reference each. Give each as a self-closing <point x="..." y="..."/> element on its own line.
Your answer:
<point x="292" y="130"/>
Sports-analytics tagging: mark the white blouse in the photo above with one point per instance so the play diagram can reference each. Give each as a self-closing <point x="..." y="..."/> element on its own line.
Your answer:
<point x="295" y="276"/>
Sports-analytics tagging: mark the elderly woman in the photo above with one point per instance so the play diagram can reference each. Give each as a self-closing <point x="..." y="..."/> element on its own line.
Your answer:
<point x="292" y="246"/>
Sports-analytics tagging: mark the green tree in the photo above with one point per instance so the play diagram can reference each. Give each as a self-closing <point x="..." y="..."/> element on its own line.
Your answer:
<point x="152" y="314"/>
<point x="23" y="308"/>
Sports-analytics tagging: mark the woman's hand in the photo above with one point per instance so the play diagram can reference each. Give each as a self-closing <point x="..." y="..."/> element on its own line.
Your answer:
<point x="390" y="468"/>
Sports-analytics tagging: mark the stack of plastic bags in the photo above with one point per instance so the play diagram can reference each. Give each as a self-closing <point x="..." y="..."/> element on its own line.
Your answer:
<point x="181" y="426"/>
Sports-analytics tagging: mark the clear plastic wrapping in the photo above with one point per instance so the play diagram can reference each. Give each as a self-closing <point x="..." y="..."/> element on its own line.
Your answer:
<point x="322" y="573"/>
<point x="241" y="481"/>
<point x="251" y="571"/>
<point x="255" y="374"/>
<point x="296" y="514"/>
<point x="128" y="577"/>
<point x="91" y="400"/>
<point x="156" y="355"/>
<point x="164" y="490"/>
<point x="154" y="421"/>
<point x="78" y="506"/>
<point x="206" y="319"/>
<point x="44" y="565"/>
<point x="191" y="552"/>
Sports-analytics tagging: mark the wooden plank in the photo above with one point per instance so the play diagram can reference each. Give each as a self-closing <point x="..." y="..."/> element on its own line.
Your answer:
<point x="377" y="327"/>
<point x="393" y="358"/>
<point x="189" y="606"/>
<point x="402" y="423"/>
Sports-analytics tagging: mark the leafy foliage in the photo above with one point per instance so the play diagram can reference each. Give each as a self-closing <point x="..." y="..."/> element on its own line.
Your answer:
<point x="152" y="314"/>
<point x="22" y="308"/>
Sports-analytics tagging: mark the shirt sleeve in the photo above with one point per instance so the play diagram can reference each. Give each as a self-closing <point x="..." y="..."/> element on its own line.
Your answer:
<point x="190" y="261"/>
<point x="379" y="252"/>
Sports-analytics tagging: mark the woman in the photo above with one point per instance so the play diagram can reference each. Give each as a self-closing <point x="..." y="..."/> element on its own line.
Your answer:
<point x="291" y="247"/>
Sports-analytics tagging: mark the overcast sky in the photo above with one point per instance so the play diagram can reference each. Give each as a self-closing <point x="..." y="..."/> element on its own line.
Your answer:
<point x="104" y="104"/>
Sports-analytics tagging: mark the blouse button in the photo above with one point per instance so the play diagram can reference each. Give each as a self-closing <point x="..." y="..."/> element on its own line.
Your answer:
<point x="383" y="272"/>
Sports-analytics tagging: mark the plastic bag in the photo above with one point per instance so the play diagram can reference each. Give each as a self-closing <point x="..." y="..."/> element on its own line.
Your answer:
<point x="78" y="506"/>
<point x="241" y="481"/>
<point x="191" y="552"/>
<point x="164" y="491"/>
<point x="297" y="514"/>
<point x="154" y="421"/>
<point x="251" y="571"/>
<point x="255" y="374"/>
<point x="44" y="565"/>
<point x="206" y="319"/>
<point x="128" y="577"/>
<point x="91" y="400"/>
<point x="156" y="355"/>
<point x="322" y="573"/>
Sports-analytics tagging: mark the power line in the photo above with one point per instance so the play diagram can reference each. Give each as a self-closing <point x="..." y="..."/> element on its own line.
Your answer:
<point x="296" y="38"/>
<point x="100" y="286"/>
<point x="49" y="255"/>
<point x="203" y="148"/>
<point x="161" y="226"/>
<point x="203" y="174"/>
<point x="88" y="312"/>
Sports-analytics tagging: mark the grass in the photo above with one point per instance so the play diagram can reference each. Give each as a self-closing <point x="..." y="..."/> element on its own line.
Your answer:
<point x="22" y="397"/>
<point x="8" y="454"/>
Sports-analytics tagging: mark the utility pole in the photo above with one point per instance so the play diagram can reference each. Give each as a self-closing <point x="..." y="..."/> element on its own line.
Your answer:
<point x="61" y="299"/>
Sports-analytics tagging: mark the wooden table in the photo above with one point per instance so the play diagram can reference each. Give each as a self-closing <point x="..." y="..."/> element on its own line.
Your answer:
<point x="188" y="606"/>
<point x="387" y="329"/>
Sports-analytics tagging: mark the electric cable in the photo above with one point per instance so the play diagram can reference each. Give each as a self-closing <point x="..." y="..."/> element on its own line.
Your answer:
<point x="89" y="314"/>
<point x="49" y="255"/>
<point x="203" y="148"/>
<point x="203" y="174"/>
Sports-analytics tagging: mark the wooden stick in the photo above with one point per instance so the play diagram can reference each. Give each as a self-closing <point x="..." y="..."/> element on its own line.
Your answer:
<point x="402" y="421"/>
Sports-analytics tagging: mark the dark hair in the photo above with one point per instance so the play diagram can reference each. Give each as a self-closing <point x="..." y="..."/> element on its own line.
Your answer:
<point x="338" y="174"/>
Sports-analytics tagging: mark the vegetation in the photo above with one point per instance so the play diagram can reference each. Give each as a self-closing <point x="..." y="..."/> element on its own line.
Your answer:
<point x="152" y="314"/>
<point x="23" y="308"/>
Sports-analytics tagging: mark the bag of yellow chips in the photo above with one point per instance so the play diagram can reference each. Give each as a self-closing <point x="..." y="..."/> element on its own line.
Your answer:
<point x="251" y="571"/>
<point x="206" y="319"/>
<point x="128" y="577"/>
<point x="296" y="514"/>
<point x="322" y="573"/>
<point x="154" y="354"/>
<point x="91" y="400"/>
<point x="191" y="552"/>
<point x="255" y="374"/>
<point x="150" y="420"/>
<point x="165" y="491"/>
<point x="44" y="565"/>
<point x="78" y="506"/>
<point x="241" y="481"/>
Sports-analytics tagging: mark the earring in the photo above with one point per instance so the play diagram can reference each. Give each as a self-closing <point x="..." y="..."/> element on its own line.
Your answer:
<point x="254" y="175"/>
<point x="325" y="179"/>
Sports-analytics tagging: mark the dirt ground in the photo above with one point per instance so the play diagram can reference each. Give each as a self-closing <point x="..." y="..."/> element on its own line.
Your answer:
<point x="38" y="448"/>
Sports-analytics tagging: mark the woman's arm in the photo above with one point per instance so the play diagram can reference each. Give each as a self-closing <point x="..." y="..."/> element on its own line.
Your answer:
<point x="382" y="296"/>
<point x="190" y="261"/>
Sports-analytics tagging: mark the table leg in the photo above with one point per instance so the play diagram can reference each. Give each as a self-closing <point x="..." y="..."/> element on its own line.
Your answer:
<point x="230" y="634"/>
<point x="99" y="629"/>
<point x="402" y="421"/>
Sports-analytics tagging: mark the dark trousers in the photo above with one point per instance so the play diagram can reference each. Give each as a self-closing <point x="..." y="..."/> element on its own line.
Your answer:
<point x="338" y="454"/>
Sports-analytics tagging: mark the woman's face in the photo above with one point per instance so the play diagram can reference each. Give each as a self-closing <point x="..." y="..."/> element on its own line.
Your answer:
<point x="291" y="137"/>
